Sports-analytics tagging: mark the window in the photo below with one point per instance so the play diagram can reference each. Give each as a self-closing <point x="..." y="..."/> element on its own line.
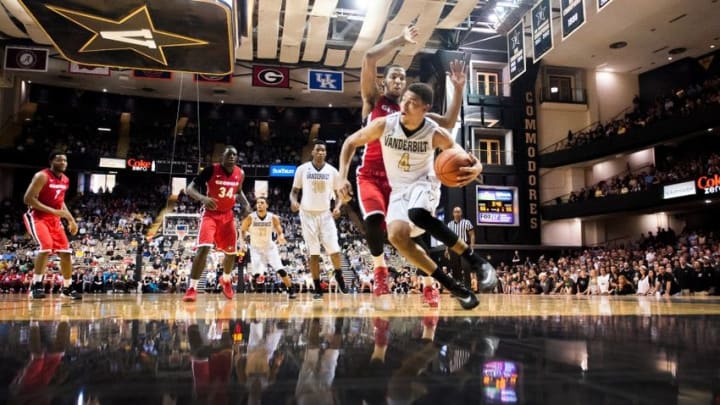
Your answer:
<point x="561" y="88"/>
<point x="487" y="83"/>
<point x="490" y="151"/>
<point x="98" y="181"/>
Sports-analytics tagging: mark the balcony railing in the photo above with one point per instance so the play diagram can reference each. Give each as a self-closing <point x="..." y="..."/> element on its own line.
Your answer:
<point x="574" y="95"/>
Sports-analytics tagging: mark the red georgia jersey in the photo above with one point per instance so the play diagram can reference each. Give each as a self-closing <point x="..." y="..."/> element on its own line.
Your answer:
<point x="223" y="187"/>
<point x="53" y="193"/>
<point x="372" y="157"/>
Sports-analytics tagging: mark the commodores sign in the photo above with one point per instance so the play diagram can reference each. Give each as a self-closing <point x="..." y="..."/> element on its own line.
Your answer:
<point x="140" y="165"/>
<point x="710" y="185"/>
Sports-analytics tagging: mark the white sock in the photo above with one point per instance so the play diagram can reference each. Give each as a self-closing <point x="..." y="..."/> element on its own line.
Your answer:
<point x="37" y="278"/>
<point x="227" y="277"/>
<point x="379" y="261"/>
<point x="193" y="282"/>
<point x="67" y="282"/>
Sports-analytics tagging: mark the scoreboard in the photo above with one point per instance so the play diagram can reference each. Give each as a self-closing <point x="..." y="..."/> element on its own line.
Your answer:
<point x="497" y="205"/>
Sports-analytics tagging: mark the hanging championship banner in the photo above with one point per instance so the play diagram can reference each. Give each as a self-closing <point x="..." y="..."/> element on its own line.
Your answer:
<point x="573" y="16"/>
<point x="226" y="79"/>
<point x="516" y="50"/>
<point x="602" y="3"/>
<point x="541" y="29"/>
<point x="26" y="58"/>
<point x="151" y="74"/>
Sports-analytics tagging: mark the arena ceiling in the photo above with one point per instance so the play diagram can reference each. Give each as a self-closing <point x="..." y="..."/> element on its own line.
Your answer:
<point x="333" y="35"/>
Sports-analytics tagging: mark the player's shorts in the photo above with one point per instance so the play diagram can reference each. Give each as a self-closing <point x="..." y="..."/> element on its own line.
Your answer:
<point x="319" y="227"/>
<point x="262" y="256"/>
<point x="316" y="373"/>
<point x="218" y="229"/>
<point x="423" y="194"/>
<point x="373" y="191"/>
<point x="48" y="233"/>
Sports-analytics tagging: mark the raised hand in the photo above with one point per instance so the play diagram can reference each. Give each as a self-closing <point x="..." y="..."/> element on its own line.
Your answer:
<point x="410" y="33"/>
<point x="457" y="73"/>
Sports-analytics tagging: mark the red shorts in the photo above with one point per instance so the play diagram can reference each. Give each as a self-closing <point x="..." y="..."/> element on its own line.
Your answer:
<point x="218" y="229"/>
<point x="373" y="192"/>
<point x="48" y="233"/>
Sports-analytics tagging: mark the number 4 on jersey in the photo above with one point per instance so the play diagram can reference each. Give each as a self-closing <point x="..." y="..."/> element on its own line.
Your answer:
<point x="404" y="162"/>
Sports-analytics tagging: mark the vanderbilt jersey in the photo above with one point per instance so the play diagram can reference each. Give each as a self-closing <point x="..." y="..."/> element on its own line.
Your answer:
<point x="316" y="185"/>
<point x="408" y="158"/>
<point x="261" y="230"/>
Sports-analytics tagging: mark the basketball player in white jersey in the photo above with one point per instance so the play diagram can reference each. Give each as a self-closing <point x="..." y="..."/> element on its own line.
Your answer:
<point x="408" y="140"/>
<point x="263" y="250"/>
<point x="316" y="179"/>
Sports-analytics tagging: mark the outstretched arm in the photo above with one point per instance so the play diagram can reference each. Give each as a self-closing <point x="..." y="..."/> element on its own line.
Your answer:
<point x="372" y="131"/>
<point x="368" y="72"/>
<point x="457" y="77"/>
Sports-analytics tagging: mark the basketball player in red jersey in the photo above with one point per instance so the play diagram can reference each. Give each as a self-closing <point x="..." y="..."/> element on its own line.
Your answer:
<point x="45" y="197"/>
<point x="372" y="185"/>
<point x="223" y="182"/>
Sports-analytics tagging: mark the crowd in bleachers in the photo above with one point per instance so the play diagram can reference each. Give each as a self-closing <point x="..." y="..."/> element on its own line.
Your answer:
<point x="80" y="138"/>
<point x="679" y="103"/>
<point x="687" y="168"/>
<point x="662" y="264"/>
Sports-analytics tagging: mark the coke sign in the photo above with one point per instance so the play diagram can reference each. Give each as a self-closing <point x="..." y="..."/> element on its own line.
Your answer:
<point x="140" y="165"/>
<point x="710" y="185"/>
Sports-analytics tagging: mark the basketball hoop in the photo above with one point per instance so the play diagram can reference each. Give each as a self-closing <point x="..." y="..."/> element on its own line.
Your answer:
<point x="181" y="231"/>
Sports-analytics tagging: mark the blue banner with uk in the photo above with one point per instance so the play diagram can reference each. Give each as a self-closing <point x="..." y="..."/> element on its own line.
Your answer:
<point x="325" y="80"/>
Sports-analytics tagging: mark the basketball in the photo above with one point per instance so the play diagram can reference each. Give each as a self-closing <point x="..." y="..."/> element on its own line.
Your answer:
<point x="448" y="164"/>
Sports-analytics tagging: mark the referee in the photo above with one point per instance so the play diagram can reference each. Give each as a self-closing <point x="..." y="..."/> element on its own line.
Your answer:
<point x="466" y="232"/>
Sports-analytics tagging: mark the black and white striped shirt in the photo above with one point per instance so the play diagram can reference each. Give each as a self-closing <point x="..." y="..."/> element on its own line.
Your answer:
<point x="461" y="228"/>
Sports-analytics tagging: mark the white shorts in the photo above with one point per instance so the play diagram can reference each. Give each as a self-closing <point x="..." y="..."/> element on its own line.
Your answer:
<point x="317" y="373"/>
<point x="261" y="257"/>
<point x="319" y="227"/>
<point x="423" y="194"/>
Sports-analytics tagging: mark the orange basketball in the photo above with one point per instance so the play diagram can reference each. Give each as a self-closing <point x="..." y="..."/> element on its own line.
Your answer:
<point x="448" y="164"/>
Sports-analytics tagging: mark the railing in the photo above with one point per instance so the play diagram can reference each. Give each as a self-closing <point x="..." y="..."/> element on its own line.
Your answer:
<point x="574" y="95"/>
<point x="613" y="243"/>
<point x="563" y="199"/>
<point x="563" y="143"/>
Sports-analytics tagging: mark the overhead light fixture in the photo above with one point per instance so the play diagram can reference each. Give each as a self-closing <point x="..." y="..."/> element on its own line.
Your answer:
<point x="710" y="129"/>
<point x="618" y="45"/>
<point x="330" y="105"/>
<point x="360" y="4"/>
<point x="510" y="4"/>
<point x="104" y="90"/>
<point x="484" y="30"/>
<point x="222" y="101"/>
<point x="554" y="89"/>
<point x="104" y="129"/>
<point x="708" y="201"/>
<point x="669" y="57"/>
<point x="29" y="81"/>
<point x="712" y="46"/>
<point x="331" y="141"/>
